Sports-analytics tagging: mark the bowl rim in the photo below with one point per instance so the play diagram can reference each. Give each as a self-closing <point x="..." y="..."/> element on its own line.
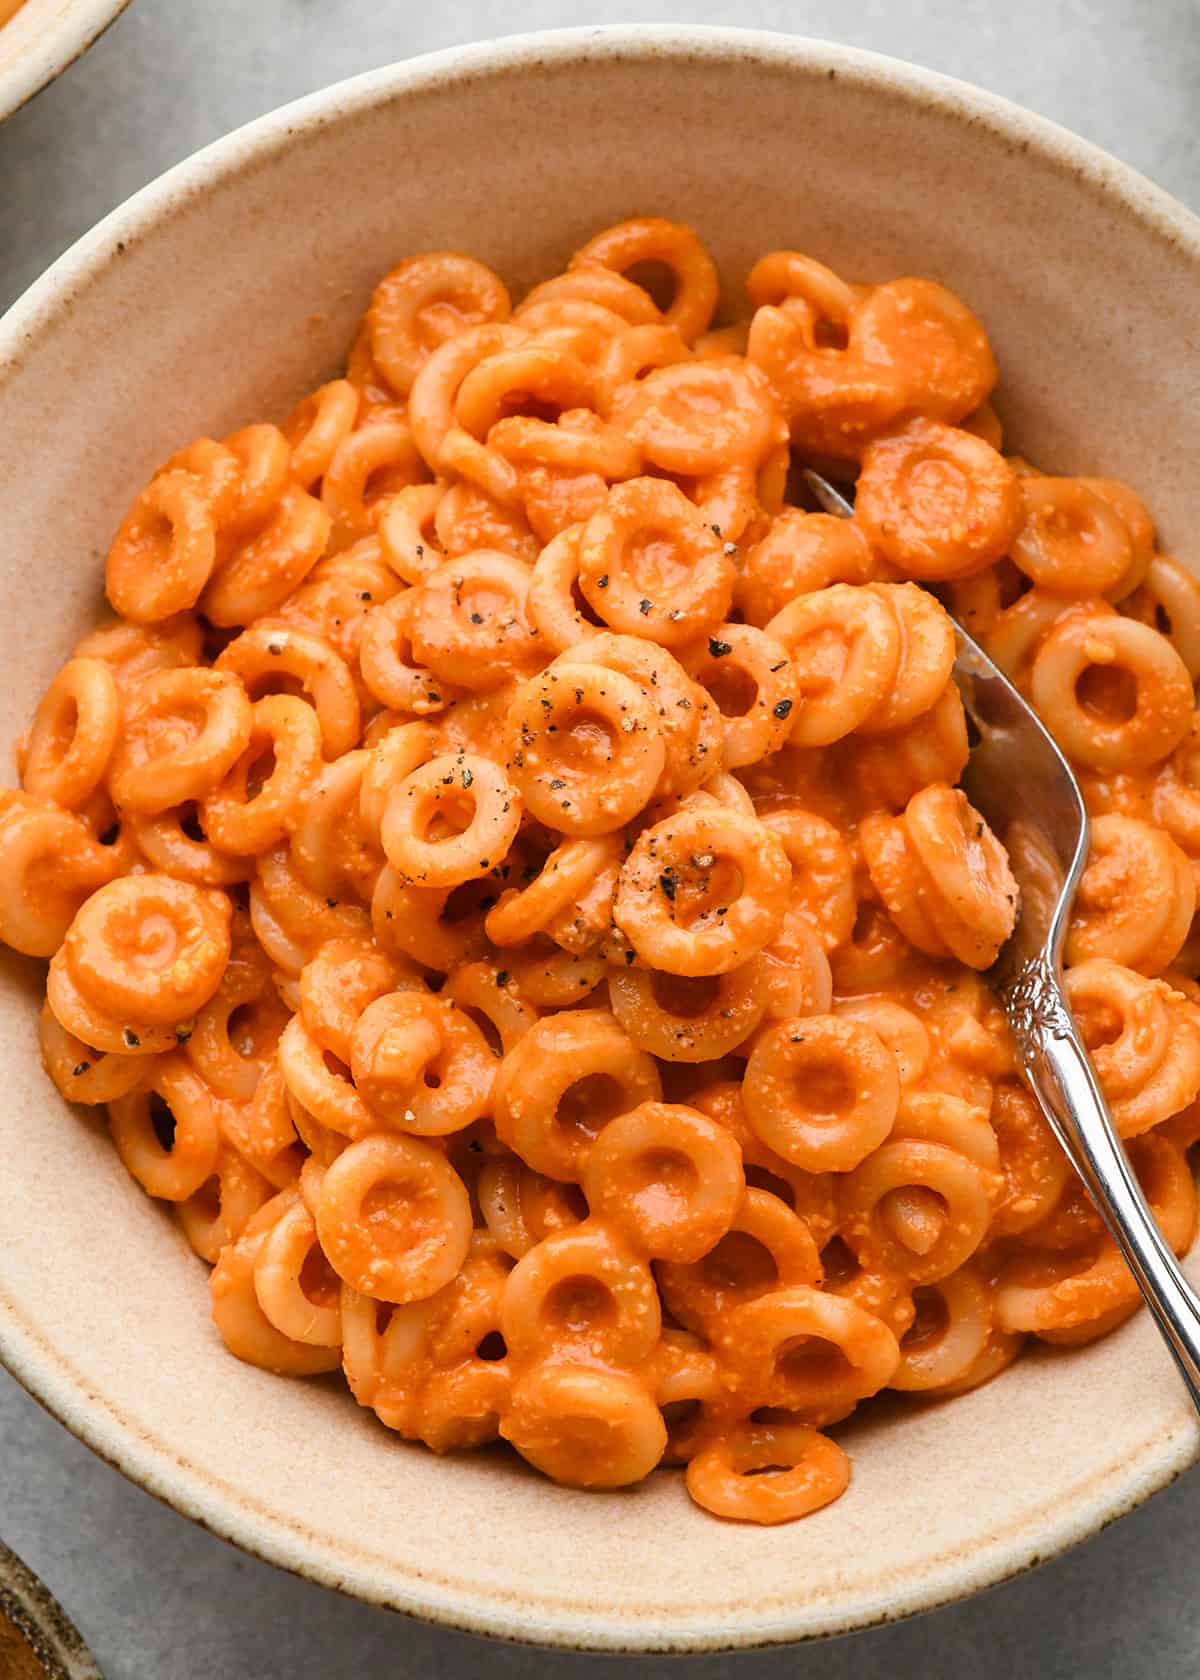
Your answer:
<point x="46" y="1372"/>
<point x="37" y="1615"/>
<point x="49" y="55"/>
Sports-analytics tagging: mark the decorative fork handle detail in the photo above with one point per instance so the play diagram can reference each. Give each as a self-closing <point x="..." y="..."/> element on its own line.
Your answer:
<point x="1063" y="1082"/>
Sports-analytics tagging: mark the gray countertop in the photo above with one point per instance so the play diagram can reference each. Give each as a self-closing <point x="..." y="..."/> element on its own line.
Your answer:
<point x="159" y="1599"/>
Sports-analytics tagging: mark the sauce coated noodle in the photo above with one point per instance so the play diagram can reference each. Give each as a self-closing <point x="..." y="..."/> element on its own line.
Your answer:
<point x="503" y="869"/>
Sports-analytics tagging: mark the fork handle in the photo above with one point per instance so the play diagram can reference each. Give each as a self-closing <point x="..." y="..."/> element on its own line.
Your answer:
<point x="1062" y="1079"/>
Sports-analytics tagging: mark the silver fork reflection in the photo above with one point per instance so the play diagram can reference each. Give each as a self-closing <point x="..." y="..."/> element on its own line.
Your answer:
<point x="1022" y="785"/>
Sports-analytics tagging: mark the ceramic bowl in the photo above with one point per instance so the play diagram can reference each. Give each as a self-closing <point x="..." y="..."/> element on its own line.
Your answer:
<point x="222" y="292"/>
<point x="37" y="1641"/>
<point x="42" y="39"/>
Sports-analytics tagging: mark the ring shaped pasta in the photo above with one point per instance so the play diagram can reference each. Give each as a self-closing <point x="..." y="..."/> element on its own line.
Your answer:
<point x="1036" y="1171"/>
<point x="930" y="337"/>
<point x="389" y="667"/>
<point x="702" y="891"/>
<point x="768" y="1247"/>
<point x="421" y="1065"/>
<point x="768" y="1473"/>
<point x="1111" y="729"/>
<point x="535" y="372"/>
<point x="387" y="1008"/>
<point x="589" y="281"/>
<point x="400" y="751"/>
<point x="371" y="463"/>
<point x="1125" y="1020"/>
<point x="336" y="987"/>
<point x="786" y="276"/>
<point x="1051" y="1293"/>
<point x="695" y="417"/>
<point x="650" y="566"/>
<point x="562" y="1082"/>
<point x="164" y="552"/>
<point x="690" y="1020"/>
<point x="563" y="882"/>
<point x="324" y="1092"/>
<point x="282" y="1269"/>
<point x="974" y="889"/>
<point x="417" y="922"/>
<point x="550" y="601"/>
<point x="176" y="1169"/>
<point x="291" y="920"/>
<point x="273" y="658"/>
<point x="578" y="442"/>
<point x="521" y="1208"/>
<point x="262" y="458"/>
<point x="216" y="469"/>
<point x="483" y="993"/>
<point x="1168" y="600"/>
<point x="218" y="1213"/>
<point x="835" y="401"/>
<point x="260" y="575"/>
<point x="80" y="1073"/>
<point x="132" y="651"/>
<point x="889" y="769"/>
<point x="926" y="658"/>
<point x="806" y="1351"/>
<point x="73" y="734"/>
<point x="230" y="1056"/>
<point x="423" y="303"/>
<point x="668" y="1177"/>
<point x="1071" y="541"/>
<point x="407" y="535"/>
<point x="247" y="813"/>
<point x="863" y="1198"/>
<point x="943" y="876"/>
<point x="316" y="426"/>
<point x="552" y="978"/>
<point x="844" y="645"/>
<point x="394" y="1218"/>
<point x="245" y="1329"/>
<point x="822" y="1091"/>
<point x="800" y="554"/>
<point x="435" y="388"/>
<point x="686" y="718"/>
<point x="822" y="885"/>
<point x="182" y="732"/>
<point x="467" y="621"/>
<point x="651" y="239"/>
<point x="898" y="1028"/>
<point x="937" y="503"/>
<point x="953" y="1324"/>
<point x="748" y="674"/>
<point x="450" y="821"/>
<point x="150" y="948"/>
<point x="331" y="850"/>
<point x="583" y="1293"/>
<point x="51" y="864"/>
<point x="1136" y="898"/>
<point x="797" y="978"/>
<point x="585" y="1427"/>
<point x="583" y="748"/>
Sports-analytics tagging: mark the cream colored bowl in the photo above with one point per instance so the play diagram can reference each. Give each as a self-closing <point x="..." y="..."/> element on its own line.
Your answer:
<point x="42" y="39"/>
<point x="219" y="294"/>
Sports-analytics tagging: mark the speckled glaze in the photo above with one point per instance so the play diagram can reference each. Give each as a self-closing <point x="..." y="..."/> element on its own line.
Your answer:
<point x="42" y="39"/>
<point x="36" y="1638"/>
<point x="221" y="292"/>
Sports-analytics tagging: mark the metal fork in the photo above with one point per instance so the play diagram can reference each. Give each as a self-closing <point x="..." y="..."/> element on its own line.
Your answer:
<point x="1022" y="785"/>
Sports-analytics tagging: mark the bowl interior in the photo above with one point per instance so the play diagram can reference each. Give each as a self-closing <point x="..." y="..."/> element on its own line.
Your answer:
<point x="219" y="296"/>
